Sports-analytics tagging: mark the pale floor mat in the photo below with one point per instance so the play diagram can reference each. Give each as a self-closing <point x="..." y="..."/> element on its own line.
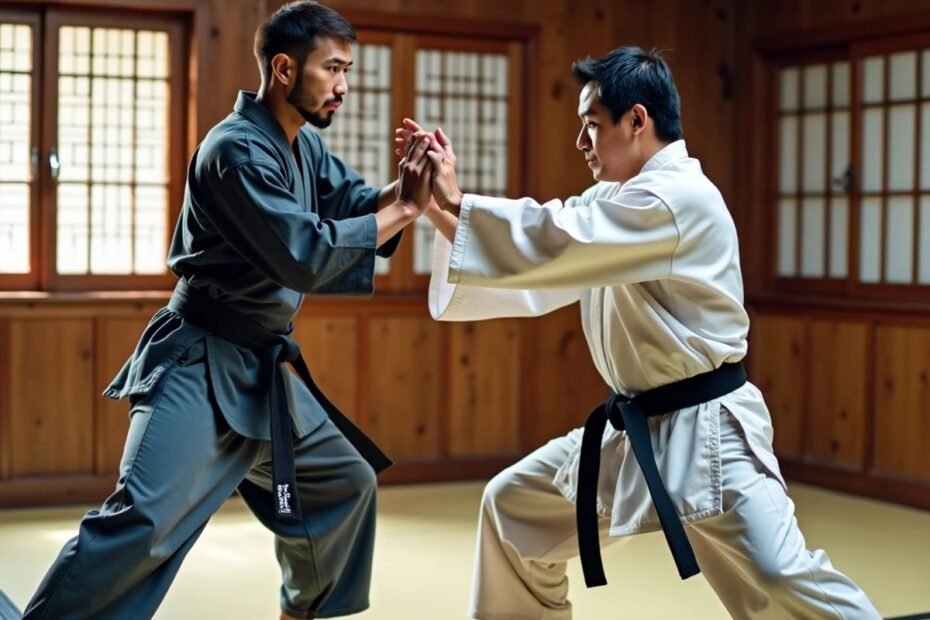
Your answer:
<point x="425" y="548"/>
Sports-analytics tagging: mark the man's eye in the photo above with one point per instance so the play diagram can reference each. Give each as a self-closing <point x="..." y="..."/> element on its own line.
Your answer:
<point x="591" y="125"/>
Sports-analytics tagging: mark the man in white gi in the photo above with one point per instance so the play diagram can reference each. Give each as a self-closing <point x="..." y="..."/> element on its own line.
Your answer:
<point x="650" y="251"/>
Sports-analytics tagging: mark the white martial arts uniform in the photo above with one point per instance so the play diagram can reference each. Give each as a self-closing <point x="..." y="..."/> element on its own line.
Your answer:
<point x="655" y="265"/>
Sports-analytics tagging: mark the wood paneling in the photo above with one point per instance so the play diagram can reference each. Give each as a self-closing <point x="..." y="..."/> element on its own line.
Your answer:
<point x="778" y="350"/>
<point x="835" y="429"/>
<point x="404" y="386"/>
<point x="115" y="342"/>
<point x="484" y="403"/>
<point x="51" y="397"/>
<point x="330" y="348"/>
<point x="902" y="402"/>
<point x="565" y="385"/>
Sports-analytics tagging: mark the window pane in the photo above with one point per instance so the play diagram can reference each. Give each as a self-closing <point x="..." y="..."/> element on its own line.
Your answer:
<point x="787" y="242"/>
<point x="788" y="161"/>
<point x="113" y="146"/>
<point x="466" y="94"/>
<point x="840" y="156"/>
<point x="111" y="230"/>
<point x="903" y="67"/>
<point x="924" y="262"/>
<point x="873" y="140"/>
<point x="839" y="235"/>
<point x="901" y="130"/>
<point x="151" y="229"/>
<point x="812" y="237"/>
<point x="873" y="79"/>
<point x="869" y="239"/>
<point x="788" y="89"/>
<point x="899" y="240"/>
<point x="815" y="152"/>
<point x="925" y="146"/>
<point x="815" y="86"/>
<point x="925" y="73"/>
<point x="358" y="134"/>
<point x="840" y="84"/>
<point x="73" y="228"/>
<point x="15" y="146"/>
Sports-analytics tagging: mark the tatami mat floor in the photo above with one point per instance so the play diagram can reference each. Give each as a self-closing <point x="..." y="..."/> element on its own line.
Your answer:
<point x="424" y="556"/>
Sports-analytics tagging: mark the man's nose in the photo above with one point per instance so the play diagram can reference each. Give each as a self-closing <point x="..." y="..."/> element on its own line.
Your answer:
<point x="582" y="143"/>
<point x="342" y="85"/>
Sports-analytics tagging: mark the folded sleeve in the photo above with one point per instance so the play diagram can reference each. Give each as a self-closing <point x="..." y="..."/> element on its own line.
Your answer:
<point x="450" y="302"/>
<point x="609" y="236"/>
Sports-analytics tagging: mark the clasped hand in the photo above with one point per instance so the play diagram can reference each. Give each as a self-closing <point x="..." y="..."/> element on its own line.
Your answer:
<point x="409" y="139"/>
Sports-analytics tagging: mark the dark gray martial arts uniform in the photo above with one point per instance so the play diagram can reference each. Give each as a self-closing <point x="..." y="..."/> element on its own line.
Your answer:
<point x="257" y="230"/>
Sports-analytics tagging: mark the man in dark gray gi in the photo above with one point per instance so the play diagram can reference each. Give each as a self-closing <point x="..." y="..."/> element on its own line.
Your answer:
<point x="269" y="214"/>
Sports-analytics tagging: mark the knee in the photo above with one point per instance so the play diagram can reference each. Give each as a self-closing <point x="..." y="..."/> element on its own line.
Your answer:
<point x="497" y="492"/>
<point x="773" y="577"/>
<point x="362" y="478"/>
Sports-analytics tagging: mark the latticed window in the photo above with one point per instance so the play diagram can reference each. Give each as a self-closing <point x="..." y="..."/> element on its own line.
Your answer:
<point x="852" y="190"/>
<point x="90" y="183"/>
<point x="469" y="87"/>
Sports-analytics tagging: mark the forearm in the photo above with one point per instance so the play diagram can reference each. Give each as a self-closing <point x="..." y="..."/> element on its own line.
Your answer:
<point x="444" y="222"/>
<point x="393" y="218"/>
<point x="387" y="195"/>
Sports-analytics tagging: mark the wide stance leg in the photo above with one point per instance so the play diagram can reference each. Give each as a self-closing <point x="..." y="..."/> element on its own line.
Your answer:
<point x="754" y="555"/>
<point x="526" y="534"/>
<point x="326" y="559"/>
<point x="179" y="464"/>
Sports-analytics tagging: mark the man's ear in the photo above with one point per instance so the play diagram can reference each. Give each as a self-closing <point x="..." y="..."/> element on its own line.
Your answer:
<point x="640" y="115"/>
<point x="282" y="68"/>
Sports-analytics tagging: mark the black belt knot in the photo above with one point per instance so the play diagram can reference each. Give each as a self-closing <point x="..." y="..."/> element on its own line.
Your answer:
<point x="198" y="308"/>
<point x="631" y="415"/>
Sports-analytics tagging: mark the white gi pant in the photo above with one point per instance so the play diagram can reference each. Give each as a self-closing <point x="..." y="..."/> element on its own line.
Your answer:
<point x="753" y="554"/>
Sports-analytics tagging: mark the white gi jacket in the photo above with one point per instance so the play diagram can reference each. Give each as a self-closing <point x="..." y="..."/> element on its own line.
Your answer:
<point x="655" y="265"/>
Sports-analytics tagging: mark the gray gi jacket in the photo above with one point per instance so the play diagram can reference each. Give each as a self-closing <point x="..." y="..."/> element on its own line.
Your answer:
<point x="259" y="229"/>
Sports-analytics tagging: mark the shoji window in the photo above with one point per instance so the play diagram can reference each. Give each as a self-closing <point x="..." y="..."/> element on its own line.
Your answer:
<point x="91" y="181"/>
<point x="472" y="88"/>
<point x="852" y="189"/>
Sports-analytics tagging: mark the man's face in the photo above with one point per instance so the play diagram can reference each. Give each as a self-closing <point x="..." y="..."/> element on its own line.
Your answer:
<point x="321" y="83"/>
<point x="607" y="146"/>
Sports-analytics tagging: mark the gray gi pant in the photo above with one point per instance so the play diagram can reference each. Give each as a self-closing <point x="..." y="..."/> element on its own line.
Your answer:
<point x="180" y="463"/>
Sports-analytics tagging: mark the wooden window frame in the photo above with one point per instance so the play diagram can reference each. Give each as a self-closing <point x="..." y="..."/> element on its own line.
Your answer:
<point x="30" y="280"/>
<point x="46" y="21"/>
<point x="407" y="34"/>
<point x="851" y="43"/>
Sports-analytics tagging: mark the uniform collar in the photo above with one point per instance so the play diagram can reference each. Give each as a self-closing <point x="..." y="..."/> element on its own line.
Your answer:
<point x="261" y="116"/>
<point x="670" y="153"/>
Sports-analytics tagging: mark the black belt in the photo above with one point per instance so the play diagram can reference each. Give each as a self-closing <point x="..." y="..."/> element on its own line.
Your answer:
<point x="630" y="414"/>
<point x="200" y="309"/>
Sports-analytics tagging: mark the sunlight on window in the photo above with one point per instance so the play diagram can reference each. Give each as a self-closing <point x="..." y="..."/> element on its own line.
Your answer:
<point x="15" y="175"/>
<point x="466" y="94"/>
<point x="112" y="142"/>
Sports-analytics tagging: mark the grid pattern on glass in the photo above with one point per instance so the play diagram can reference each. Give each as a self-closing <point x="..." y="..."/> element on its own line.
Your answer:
<point x="16" y="47"/>
<point x="895" y="172"/>
<point x="465" y="93"/>
<point x="813" y="133"/>
<point x="361" y="132"/>
<point x="113" y="92"/>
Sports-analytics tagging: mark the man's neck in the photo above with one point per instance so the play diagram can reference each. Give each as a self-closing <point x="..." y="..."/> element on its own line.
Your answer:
<point x="282" y="111"/>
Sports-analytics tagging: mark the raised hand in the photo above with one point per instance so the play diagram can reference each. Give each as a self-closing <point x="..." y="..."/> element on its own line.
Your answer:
<point x="445" y="185"/>
<point x="403" y="136"/>
<point x="414" y="174"/>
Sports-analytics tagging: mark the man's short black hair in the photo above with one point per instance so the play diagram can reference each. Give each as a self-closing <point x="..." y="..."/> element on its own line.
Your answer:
<point x="294" y="29"/>
<point x="627" y="76"/>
